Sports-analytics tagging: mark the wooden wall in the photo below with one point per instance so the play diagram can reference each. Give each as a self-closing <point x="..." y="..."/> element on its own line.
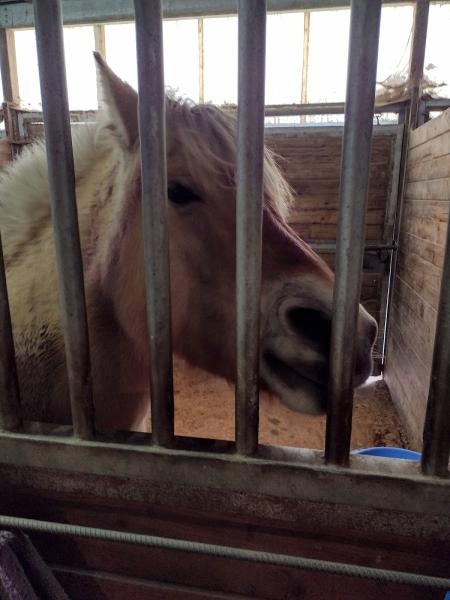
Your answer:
<point x="311" y="162"/>
<point x="419" y="272"/>
<point x="310" y="158"/>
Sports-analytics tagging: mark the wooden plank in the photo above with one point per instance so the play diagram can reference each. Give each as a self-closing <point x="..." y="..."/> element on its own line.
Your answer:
<point x="422" y="276"/>
<point x="430" y="130"/>
<point x="8" y="66"/>
<point x="395" y="380"/>
<point x="329" y="217"/>
<point x="433" y="189"/>
<point x="5" y="153"/>
<point x="81" y="584"/>
<point x="428" y="251"/>
<point x="426" y="220"/>
<point x="434" y="148"/>
<point x="428" y="169"/>
<point x="317" y="233"/>
<point x="417" y="335"/>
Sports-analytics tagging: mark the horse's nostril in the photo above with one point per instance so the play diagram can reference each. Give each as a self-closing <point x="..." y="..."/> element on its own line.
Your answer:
<point x="312" y="324"/>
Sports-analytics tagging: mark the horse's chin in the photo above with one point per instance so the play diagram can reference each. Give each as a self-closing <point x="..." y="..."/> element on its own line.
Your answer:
<point x="295" y="390"/>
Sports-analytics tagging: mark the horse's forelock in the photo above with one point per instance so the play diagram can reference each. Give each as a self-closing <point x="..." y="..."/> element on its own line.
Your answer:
<point x="207" y="136"/>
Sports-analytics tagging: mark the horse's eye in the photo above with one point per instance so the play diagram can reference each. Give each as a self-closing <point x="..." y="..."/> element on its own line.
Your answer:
<point x="180" y="194"/>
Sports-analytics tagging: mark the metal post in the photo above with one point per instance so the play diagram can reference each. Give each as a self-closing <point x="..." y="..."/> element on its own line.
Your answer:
<point x="9" y="388"/>
<point x="55" y="109"/>
<point x="361" y="74"/>
<point x="154" y="208"/>
<point x="436" y="435"/>
<point x="419" y="42"/>
<point x="249" y="198"/>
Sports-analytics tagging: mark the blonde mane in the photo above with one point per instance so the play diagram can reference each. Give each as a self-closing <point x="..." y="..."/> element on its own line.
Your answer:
<point x="207" y="135"/>
<point x="24" y="195"/>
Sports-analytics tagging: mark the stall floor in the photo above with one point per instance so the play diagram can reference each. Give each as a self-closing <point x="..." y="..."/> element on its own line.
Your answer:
<point x="204" y="407"/>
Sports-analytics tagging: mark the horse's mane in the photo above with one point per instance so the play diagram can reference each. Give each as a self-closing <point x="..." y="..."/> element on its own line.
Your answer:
<point x="208" y="138"/>
<point x="202" y="122"/>
<point x="24" y="200"/>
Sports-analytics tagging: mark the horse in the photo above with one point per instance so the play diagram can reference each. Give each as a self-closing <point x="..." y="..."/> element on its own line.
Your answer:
<point x="297" y="285"/>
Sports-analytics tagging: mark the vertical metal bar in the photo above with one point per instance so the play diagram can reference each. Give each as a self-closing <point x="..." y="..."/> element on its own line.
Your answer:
<point x="392" y="209"/>
<point x="152" y="126"/>
<point x="249" y="198"/>
<point x="361" y="75"/>
<point x="419" y="42"/>
<point x="436" y="434"/>
<point x="8" y="66"/>
<point x="9" y="387"/>
<point x="55" y="109"/>
<point x="201" y="60"/>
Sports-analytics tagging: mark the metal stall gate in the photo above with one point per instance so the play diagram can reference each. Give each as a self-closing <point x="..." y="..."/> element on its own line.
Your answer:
<point x="357" y="509"/>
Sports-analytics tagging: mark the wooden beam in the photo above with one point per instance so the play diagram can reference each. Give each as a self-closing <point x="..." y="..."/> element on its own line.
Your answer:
<point x="201" y="61"/>
<point x="418" y="46"/>
<point x="8" y="66"/>
<point x="100" y="47"/>
<point x="305" y="57"/>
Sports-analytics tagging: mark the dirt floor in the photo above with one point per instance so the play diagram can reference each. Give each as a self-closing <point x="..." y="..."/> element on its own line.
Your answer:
<point x="204" y="407"/>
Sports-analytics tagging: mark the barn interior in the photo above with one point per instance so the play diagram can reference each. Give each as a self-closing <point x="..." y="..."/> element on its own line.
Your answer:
<point x="407" y="203"/>
<point x="379" y="515"/>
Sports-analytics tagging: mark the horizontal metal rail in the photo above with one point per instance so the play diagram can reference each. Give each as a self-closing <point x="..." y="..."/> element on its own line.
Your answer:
<point x="234" y="553"/>
<point x="104" y="11"/>
<point x="326" y="248"/>
<point x="249" y="200"/>
<point x="213" y="465"/>
<point x="361" y="74"/>
<point x="152" y="133"/>
<point x="61" y="175"/>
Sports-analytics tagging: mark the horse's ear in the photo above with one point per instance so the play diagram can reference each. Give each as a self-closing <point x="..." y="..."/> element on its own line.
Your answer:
<point x="121" y="101"/>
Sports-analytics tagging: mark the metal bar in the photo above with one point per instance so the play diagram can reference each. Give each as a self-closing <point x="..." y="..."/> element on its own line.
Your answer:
<point x="389" y="234"/>
<point x="10" y="418"/>
<point x="319" y="108"/>
<point x="8" y="66"/>
<point x="201" y="61"/>
<point x="249" y="198"/>
<point x="154" y="210"/>
<point x="329" y="248"/>
<point x="55" y="108"/>
<point x="436" y="434"/>
<point x="230" y="552"/>
<point x="274" y="477"/>
<point x="361" y="74"/>
<point x="77" y="12"/>
<point x="404" y="119"/>
<point x="419" y="42"/>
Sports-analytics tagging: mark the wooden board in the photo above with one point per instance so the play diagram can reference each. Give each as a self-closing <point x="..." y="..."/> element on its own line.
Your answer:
<point x="419" y="272"/>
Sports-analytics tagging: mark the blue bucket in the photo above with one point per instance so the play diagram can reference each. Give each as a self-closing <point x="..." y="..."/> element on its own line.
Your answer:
<point x="389" y="452"/>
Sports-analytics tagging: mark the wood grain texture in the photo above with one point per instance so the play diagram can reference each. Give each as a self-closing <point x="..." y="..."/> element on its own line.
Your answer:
<point x="419" y="272"/>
